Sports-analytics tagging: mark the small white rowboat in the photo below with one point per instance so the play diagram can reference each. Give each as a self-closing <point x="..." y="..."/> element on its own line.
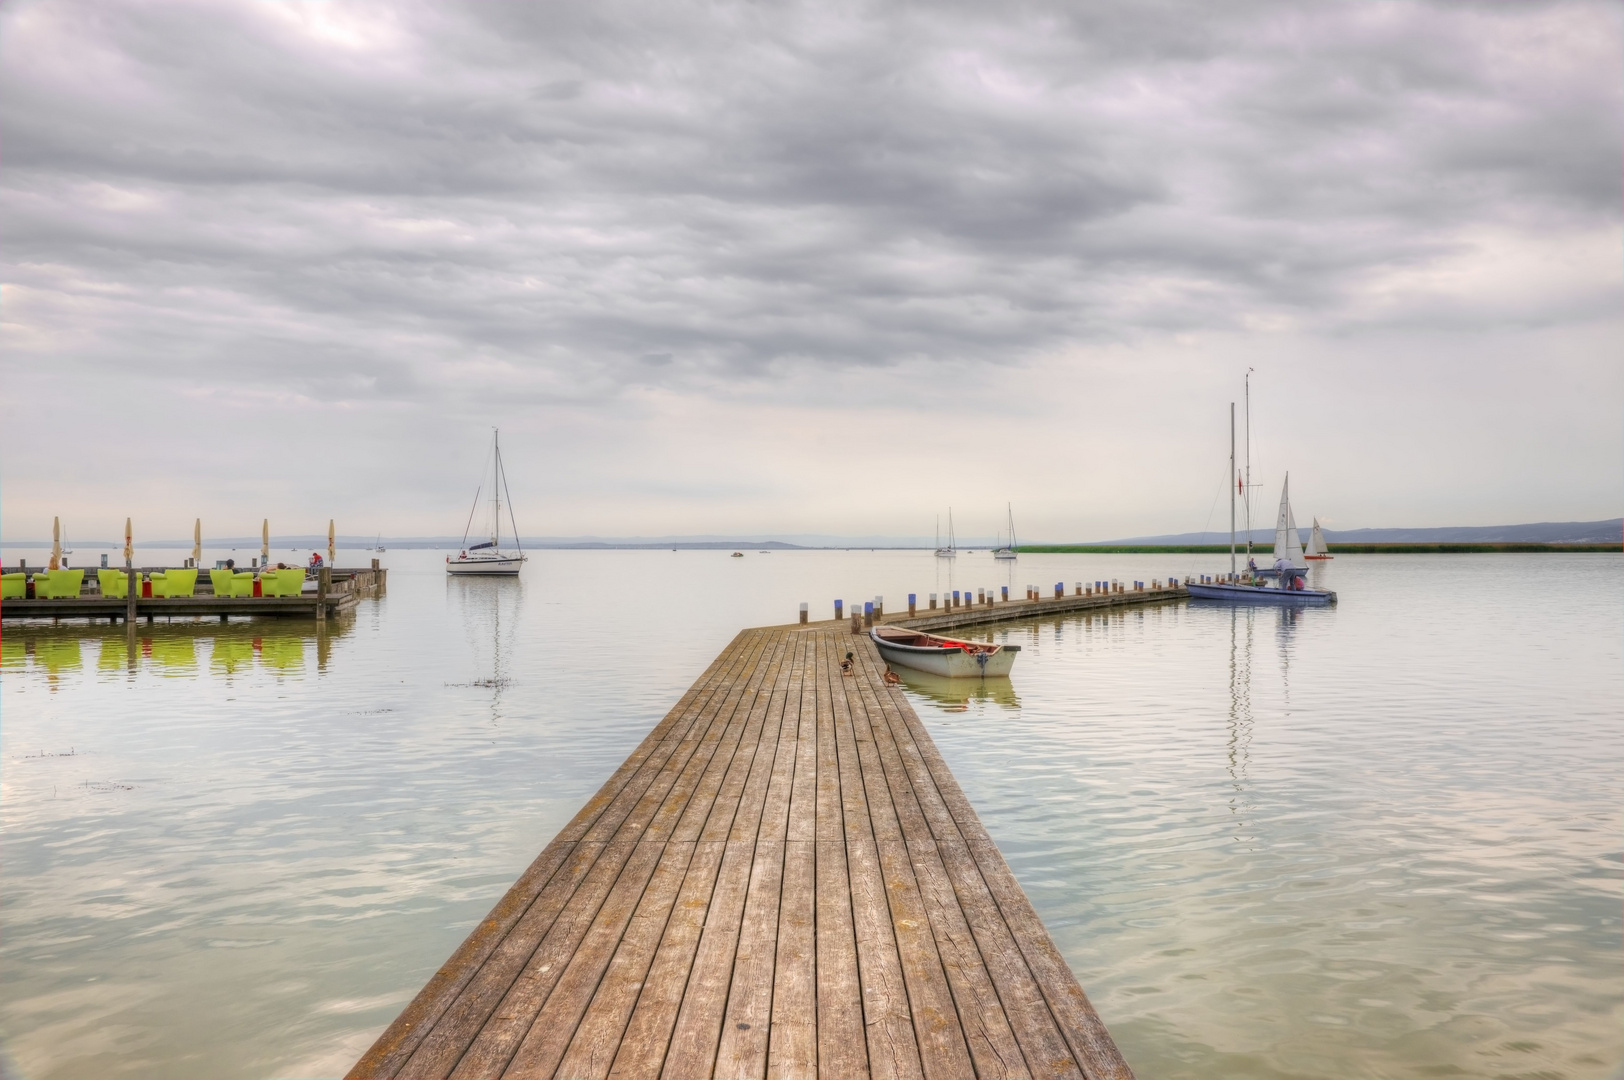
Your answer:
<point x="948" y="657"/>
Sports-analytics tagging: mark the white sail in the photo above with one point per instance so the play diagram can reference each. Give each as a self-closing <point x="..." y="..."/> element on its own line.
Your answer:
<point x="1316" y="542"/>
<point x="1288" y="543"/>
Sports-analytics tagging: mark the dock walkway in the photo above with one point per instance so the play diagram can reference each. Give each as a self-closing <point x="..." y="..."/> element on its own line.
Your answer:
<point x="782" y="880"/>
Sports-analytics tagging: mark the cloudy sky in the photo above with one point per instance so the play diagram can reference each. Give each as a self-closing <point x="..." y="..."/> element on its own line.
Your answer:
<point x="828" y="267"/>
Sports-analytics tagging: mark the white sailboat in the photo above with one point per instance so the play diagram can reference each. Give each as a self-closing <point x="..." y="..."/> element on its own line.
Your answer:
<point x="950" y="550"/>
<point x="1317" y="548"/>
<point x="1288" y="542"/>
<point x="1008" y="551"/>
<point x="488" y="558"/>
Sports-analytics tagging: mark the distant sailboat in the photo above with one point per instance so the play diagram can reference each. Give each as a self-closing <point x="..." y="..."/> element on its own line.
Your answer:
<point x="1008" y="551"/>
<point x="949" y="551"/>
<point x="1316" y="544"/>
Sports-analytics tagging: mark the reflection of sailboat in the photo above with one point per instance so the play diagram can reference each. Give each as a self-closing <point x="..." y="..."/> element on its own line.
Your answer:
<point x="1240" y="713"/>
<point x="1008" y="551"/>
<point x="949" y="551"/>
<point x="1316" y="544"/>
<point x="487" y="558"/>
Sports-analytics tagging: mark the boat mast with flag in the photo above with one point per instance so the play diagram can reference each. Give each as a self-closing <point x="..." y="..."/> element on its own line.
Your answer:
<point x="487" y="557"/>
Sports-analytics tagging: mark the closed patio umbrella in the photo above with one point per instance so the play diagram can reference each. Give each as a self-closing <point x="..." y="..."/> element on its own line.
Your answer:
<point x="265" y="543"/>
<point x="56" y="543"/>
<point x="197" y="541"/>
<point x="332" y="554"/>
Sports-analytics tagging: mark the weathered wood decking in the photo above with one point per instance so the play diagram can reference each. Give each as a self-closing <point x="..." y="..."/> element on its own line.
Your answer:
<point x="783" y="880"/>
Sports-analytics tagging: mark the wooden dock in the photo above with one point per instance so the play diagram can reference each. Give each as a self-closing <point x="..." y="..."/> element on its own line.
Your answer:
<point x="783" y="880"/>
<point x="343" y="590"/>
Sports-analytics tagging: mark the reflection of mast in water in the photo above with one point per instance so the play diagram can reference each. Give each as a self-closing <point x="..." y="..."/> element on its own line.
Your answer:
<point x="1285" y="631"/>
<point x="1240" y="709"/>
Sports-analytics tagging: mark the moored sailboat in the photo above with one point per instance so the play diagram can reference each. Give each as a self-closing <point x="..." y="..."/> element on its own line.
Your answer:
<point x="1288" y="542"/>
<point x="487" y="559"/>
<point x="1007" y="551"/>
<point x="949" y="551"/>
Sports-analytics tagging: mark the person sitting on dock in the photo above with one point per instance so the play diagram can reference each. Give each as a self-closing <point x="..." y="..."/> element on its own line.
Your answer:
<point x="315" y="560"/>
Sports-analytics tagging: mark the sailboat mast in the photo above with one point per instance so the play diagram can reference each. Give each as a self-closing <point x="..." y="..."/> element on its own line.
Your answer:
<point x="1248" y="488"/>
<point x="1232" y="478"/>
<point x="496" y="487"/>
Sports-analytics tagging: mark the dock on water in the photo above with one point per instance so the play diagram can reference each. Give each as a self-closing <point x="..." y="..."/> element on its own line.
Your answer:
<point x="783" y="880"/>
<point x="335" y="591"/>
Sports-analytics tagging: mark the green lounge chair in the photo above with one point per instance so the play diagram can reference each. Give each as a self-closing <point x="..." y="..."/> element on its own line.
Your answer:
<point x="174" y="583"/>
<point x="114" y="584"/>
<point x="221" y="580"/>
<point x="242" y="583"/>
<point x="13" y="585"/>
<point x="284" y="582"/>
<point x="58" y="584"/>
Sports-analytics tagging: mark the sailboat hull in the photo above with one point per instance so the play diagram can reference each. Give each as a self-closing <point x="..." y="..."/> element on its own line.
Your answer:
<point x="494" y="566"/>
<point x="1252" y="594"/>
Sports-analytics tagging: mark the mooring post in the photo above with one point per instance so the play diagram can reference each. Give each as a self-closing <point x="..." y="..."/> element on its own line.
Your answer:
<point x="803" y="613"/>
<point x="868" y="613"/>
<point x="1004" y="592"/>
<point x="856" y="621"/>
<point x="879" y="606"/>
<point x="324" y="582"/>
<point x="913" y="600"/>
<point x="933" y="601"/>
<point x="131" y="595"/>
<point x="374" y="564"/>
<point x="839" y="610"/>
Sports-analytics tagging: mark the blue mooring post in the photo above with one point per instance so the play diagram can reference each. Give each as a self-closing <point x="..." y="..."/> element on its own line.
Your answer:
<point x="913" y="600"/>
<point x="1005" y="589"/>
<point x="839" y="612"/>
<point x="868" y="613"/>
<point x="955" y="598"/>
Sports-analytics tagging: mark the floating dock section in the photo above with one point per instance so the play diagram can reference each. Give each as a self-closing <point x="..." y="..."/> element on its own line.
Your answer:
<point x="334" y="592"/>
<point x="782" y="880"/>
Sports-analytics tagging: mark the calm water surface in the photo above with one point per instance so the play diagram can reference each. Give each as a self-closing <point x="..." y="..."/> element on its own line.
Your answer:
<point x="1376" y="840"/>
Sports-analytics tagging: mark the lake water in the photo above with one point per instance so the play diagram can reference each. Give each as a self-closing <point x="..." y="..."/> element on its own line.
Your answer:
<point x="1376" y="840"/>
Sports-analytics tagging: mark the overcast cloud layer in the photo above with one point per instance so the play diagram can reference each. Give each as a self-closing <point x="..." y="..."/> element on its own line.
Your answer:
<point x="295" y="259"/>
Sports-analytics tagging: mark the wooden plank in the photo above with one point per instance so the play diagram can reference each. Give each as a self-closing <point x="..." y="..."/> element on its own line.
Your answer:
<point x="747" y="1020"/>
<point x="841" y="1049"/>
<point x="697" y="1030"/>
<point x="554" y="1026"/>
<point x="892" y="1051"/>
<point x="893" y="1048"/>
<point x="499" y="1036"/>
<point x="595" y="1042"/>
<point x="985" y="1027"/>
<point x="792" y="1051"/>
<point x="942" y="1049"/>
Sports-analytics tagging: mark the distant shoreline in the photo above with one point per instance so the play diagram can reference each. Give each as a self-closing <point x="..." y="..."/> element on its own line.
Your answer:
<point x="1335" y="549"/>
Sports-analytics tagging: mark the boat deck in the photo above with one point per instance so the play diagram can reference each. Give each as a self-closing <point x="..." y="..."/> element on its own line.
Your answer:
<point x="782" y="880"/>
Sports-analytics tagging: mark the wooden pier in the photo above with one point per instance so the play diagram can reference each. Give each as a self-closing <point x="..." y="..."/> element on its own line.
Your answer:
<point x="1010" y="610"/>
<point x="338" y="592"/>
<point x="783" y="880"/>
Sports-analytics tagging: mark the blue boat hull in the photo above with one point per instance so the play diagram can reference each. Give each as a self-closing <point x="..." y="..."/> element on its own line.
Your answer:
<point x="1251" y="594"/>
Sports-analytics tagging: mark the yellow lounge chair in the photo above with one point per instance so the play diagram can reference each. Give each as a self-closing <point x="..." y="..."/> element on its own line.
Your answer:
<point x="174" y="583"/>
<point x="58" y="584"/>
<point x="114" y="584"/>
<point x="13" y="585"/>
<point x="284" y="582"/>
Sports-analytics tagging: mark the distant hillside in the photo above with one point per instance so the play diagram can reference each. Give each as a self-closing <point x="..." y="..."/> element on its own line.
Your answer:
<point x="1543" y="532"/>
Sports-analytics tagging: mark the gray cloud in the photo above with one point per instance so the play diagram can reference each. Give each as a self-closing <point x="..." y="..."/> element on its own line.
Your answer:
<point x="430" y="213"/>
